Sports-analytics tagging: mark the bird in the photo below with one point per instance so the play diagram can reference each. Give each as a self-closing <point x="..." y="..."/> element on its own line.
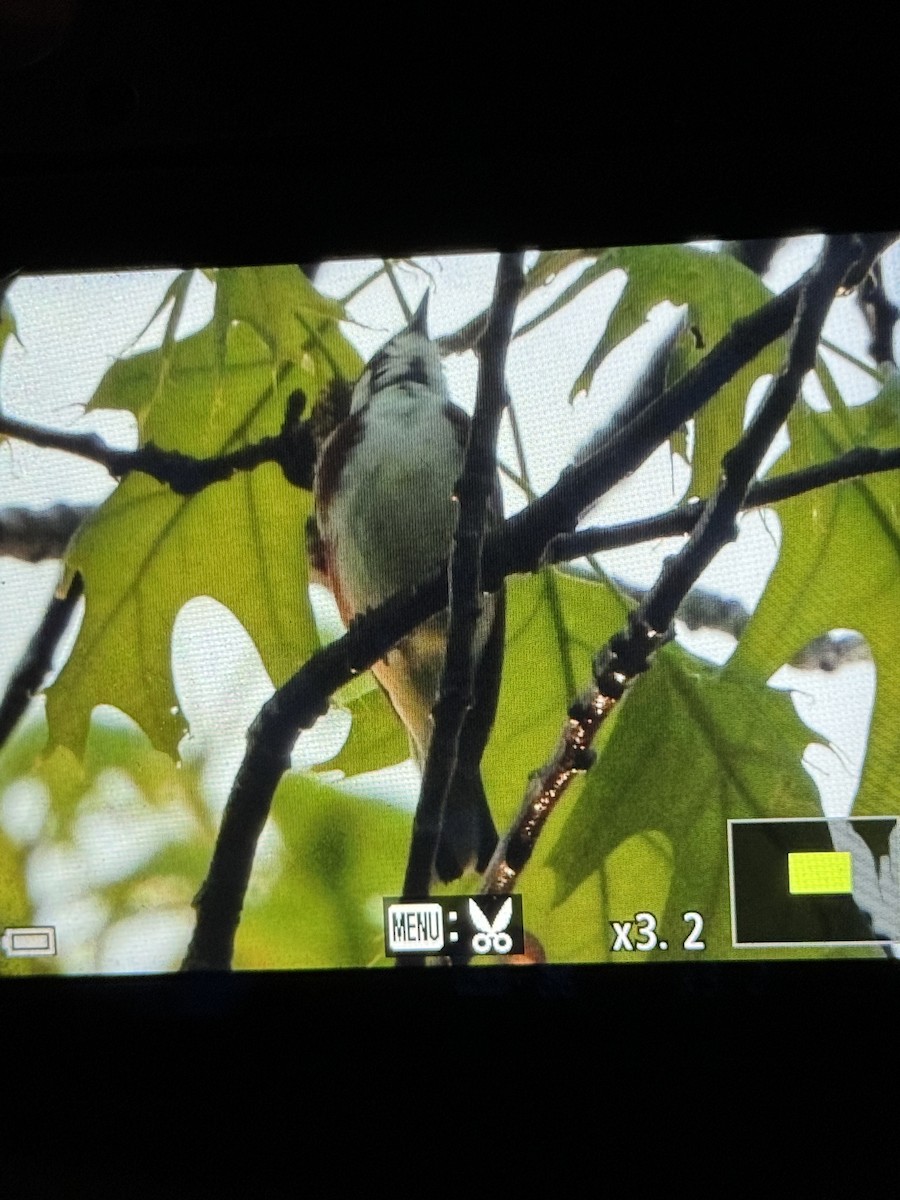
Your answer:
<point x="384" y="522"/>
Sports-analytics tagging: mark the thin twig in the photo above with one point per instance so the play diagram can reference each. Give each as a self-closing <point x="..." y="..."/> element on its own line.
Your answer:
<point x="468" y="335"/>
<point x="476" y="483"/>
<point x="518" y="546"/>
<point x="871" y="371"/>
<point x="398" y="291"/>
<point x="359" y="288"/>
<point x="514" y="477"/>
<point x="296" y="705"/>
<point x="519" y="444"/>
<point x="34" y="535"/>
<point x="465" y="338"/>
<point x="629" y="653"/>
<point x="37" y="660"/>
<point x="293" y="448"/>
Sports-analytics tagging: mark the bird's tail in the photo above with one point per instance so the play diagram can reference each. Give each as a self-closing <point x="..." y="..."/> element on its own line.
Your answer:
<point x="468" y="836"/>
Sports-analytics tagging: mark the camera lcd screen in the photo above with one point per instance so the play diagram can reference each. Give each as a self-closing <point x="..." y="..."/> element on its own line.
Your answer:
<point x="228" y="501"/>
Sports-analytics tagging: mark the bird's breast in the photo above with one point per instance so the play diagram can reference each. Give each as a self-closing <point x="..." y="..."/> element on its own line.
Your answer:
<point x="384" y="496"/>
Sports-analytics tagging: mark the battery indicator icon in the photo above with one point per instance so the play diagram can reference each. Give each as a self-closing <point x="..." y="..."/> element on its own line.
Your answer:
<point x="828" y="873"/>
<point x="36" y="941"/>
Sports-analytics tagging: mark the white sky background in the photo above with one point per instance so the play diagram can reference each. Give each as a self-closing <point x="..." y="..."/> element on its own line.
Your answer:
<point x="72" y="329"/>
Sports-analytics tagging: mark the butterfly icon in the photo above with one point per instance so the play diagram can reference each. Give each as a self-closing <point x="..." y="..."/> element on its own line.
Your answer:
<point x="491" y="937"/>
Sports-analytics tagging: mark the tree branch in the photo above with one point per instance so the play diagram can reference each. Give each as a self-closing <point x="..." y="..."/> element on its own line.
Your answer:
<point x="702" y="609"/>
<point x="881" y="316"/>
<point x="518" y="546"/>
<point x="473" y="491"/>
<point x="755" y="253"/>
<point x="34" y="535"/>
<point x="37" y="660"/>
<point x="853" y="465"/>
<point x="465" y="338"/>
<point x="629" y="653"/>
<point x="293" y="448"/>
<point x="527" y="533"/>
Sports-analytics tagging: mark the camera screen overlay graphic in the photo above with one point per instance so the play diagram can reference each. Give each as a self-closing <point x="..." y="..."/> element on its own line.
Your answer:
<point x="231" y="499"/>
<point x="815" y="883"/>
<point x="468" y="926"/>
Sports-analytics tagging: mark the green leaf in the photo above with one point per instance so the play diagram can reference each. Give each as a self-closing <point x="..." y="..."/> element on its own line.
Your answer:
<point x="7" y="322"/>
<point x="70" y="780"/>
<point x="691" y="746"/>
<point x="554" y="623"/>
<point x="19" y="753"/>
<point x="377" y="737"/>
<point x="77" y="788"/>
<point x="596" y="270"/>
<point x="15" y="906"/>
<point x="549" y="264"/>
<point x="839" y="568"/>
<point x="7" y="330"/>
<point x="279" y="304"/>
<point x="718" y="290"/>
<point x="147" y="551"/>
<point x="342" y="854"/>
<point x="176" y="295"/>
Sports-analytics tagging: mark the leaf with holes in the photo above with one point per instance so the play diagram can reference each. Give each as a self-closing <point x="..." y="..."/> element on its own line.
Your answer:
<point x="839" y="568"/>
<point x="147" y="551"/>
<point x="691" y="746"/>
<point x="718" y="290"/>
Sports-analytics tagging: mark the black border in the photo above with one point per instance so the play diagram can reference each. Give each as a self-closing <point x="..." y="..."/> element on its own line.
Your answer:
<point x="511" y="149"/>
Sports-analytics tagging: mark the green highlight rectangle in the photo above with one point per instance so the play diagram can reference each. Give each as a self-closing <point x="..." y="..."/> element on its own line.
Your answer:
<point x="821" y="873"/>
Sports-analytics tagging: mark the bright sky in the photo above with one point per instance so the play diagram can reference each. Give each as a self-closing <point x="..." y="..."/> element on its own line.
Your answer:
<point x="72" y="328"/>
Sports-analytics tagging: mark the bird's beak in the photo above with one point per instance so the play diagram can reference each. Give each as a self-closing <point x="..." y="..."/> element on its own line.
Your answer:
<point x="419" y="322"/>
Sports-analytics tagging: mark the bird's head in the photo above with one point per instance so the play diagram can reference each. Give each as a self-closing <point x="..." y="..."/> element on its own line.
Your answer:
<point x="409" y="360"/>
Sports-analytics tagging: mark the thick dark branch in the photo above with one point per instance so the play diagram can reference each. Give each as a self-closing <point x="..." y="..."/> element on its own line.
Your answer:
<point x="702" y="609"/>
<point x="527" y="533"/>
<point x="517" y="547"/>
<point x="881" y="315"/>
<point x="629" y="653"/>
<point x="293" y="449"/>
<point x="296" y="705"/>
<point x="755" y="253"/>
<point x="476" y="483"/>
<point x="33" y="535"/>
<point x="37" y="660"/>
<point x="649" y="385"/>
<point x="717" y="524"/>
<point x="853" y="465"/>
